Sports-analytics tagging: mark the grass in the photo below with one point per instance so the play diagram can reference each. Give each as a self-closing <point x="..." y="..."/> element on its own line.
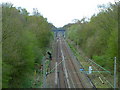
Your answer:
<point x="106" y="77"/>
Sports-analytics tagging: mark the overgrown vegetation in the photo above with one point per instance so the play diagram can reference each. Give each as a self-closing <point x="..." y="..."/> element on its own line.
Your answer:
<point x="25" y="39"/>
<point x="98" y="37"/>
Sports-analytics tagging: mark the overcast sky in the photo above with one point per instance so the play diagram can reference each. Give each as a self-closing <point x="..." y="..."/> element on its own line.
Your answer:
<point x="61" y="12"/>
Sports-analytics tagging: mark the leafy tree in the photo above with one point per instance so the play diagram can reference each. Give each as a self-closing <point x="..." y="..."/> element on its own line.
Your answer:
<point x="98" y="37"/>
<point x="25" y="38"/>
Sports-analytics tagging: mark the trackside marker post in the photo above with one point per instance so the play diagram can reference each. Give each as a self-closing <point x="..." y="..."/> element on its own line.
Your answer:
<point x="90" y="69"/>
<point x="56" y="74"/>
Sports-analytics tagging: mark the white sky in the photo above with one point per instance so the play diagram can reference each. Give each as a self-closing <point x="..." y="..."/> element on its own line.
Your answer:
<point x="61" y="12"/>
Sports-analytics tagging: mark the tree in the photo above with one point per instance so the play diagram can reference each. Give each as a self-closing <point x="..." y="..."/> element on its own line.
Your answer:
<point x="25" y="38"/>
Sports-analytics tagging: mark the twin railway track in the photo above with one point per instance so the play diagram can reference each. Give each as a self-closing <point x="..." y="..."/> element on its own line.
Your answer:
<point x="66" y="74"/>
<point x="72" y="69"/>
<point x="60" y="72"/>
<point x="74" y="79"/>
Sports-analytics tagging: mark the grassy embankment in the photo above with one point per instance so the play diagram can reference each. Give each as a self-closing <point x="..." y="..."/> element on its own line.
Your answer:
<point x="107" y="78"/>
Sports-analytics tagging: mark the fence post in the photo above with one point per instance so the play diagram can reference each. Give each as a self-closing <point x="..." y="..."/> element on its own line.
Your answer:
<point x="44" y="73"/>
<point x="115" y="73"/>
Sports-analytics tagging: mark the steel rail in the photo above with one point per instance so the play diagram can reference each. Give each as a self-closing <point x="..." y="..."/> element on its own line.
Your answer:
<point x="68" y="54"/>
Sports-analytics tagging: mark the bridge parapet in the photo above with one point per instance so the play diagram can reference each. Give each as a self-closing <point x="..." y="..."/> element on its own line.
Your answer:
<point x="58" y="32"/>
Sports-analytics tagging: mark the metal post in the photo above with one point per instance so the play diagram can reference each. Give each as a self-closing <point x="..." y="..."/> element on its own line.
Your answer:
<point x="115" y="73"/>
<point x="77" y="44"/>
<point x="44" y="73"/>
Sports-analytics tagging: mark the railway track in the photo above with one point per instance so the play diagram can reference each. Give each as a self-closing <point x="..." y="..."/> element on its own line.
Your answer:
<point x="60" y="80"/>
<point x="66" y="74"/>
<point x="77" y="82"/>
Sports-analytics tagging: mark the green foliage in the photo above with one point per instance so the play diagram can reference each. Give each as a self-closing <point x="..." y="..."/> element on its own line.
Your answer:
<point x="98" y="37"/>
<point x="25" y="40"/>
<point x="6" y="72"/>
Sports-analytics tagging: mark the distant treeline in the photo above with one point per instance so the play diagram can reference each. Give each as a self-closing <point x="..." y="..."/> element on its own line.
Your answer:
<point x="98" y="37"/>
<point x="25" y="39"/>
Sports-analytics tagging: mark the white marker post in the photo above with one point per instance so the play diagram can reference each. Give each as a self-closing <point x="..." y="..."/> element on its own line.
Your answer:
<point x="90" y="69"/>
<point x="56" y="74"/>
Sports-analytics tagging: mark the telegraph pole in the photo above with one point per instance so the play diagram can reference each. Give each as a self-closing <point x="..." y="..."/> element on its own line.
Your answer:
<point x="44" y="73"/>
<point x="115" y="73"/>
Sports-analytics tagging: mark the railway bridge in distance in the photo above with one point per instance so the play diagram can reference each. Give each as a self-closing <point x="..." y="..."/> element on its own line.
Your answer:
<point x="58" y="32"/>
